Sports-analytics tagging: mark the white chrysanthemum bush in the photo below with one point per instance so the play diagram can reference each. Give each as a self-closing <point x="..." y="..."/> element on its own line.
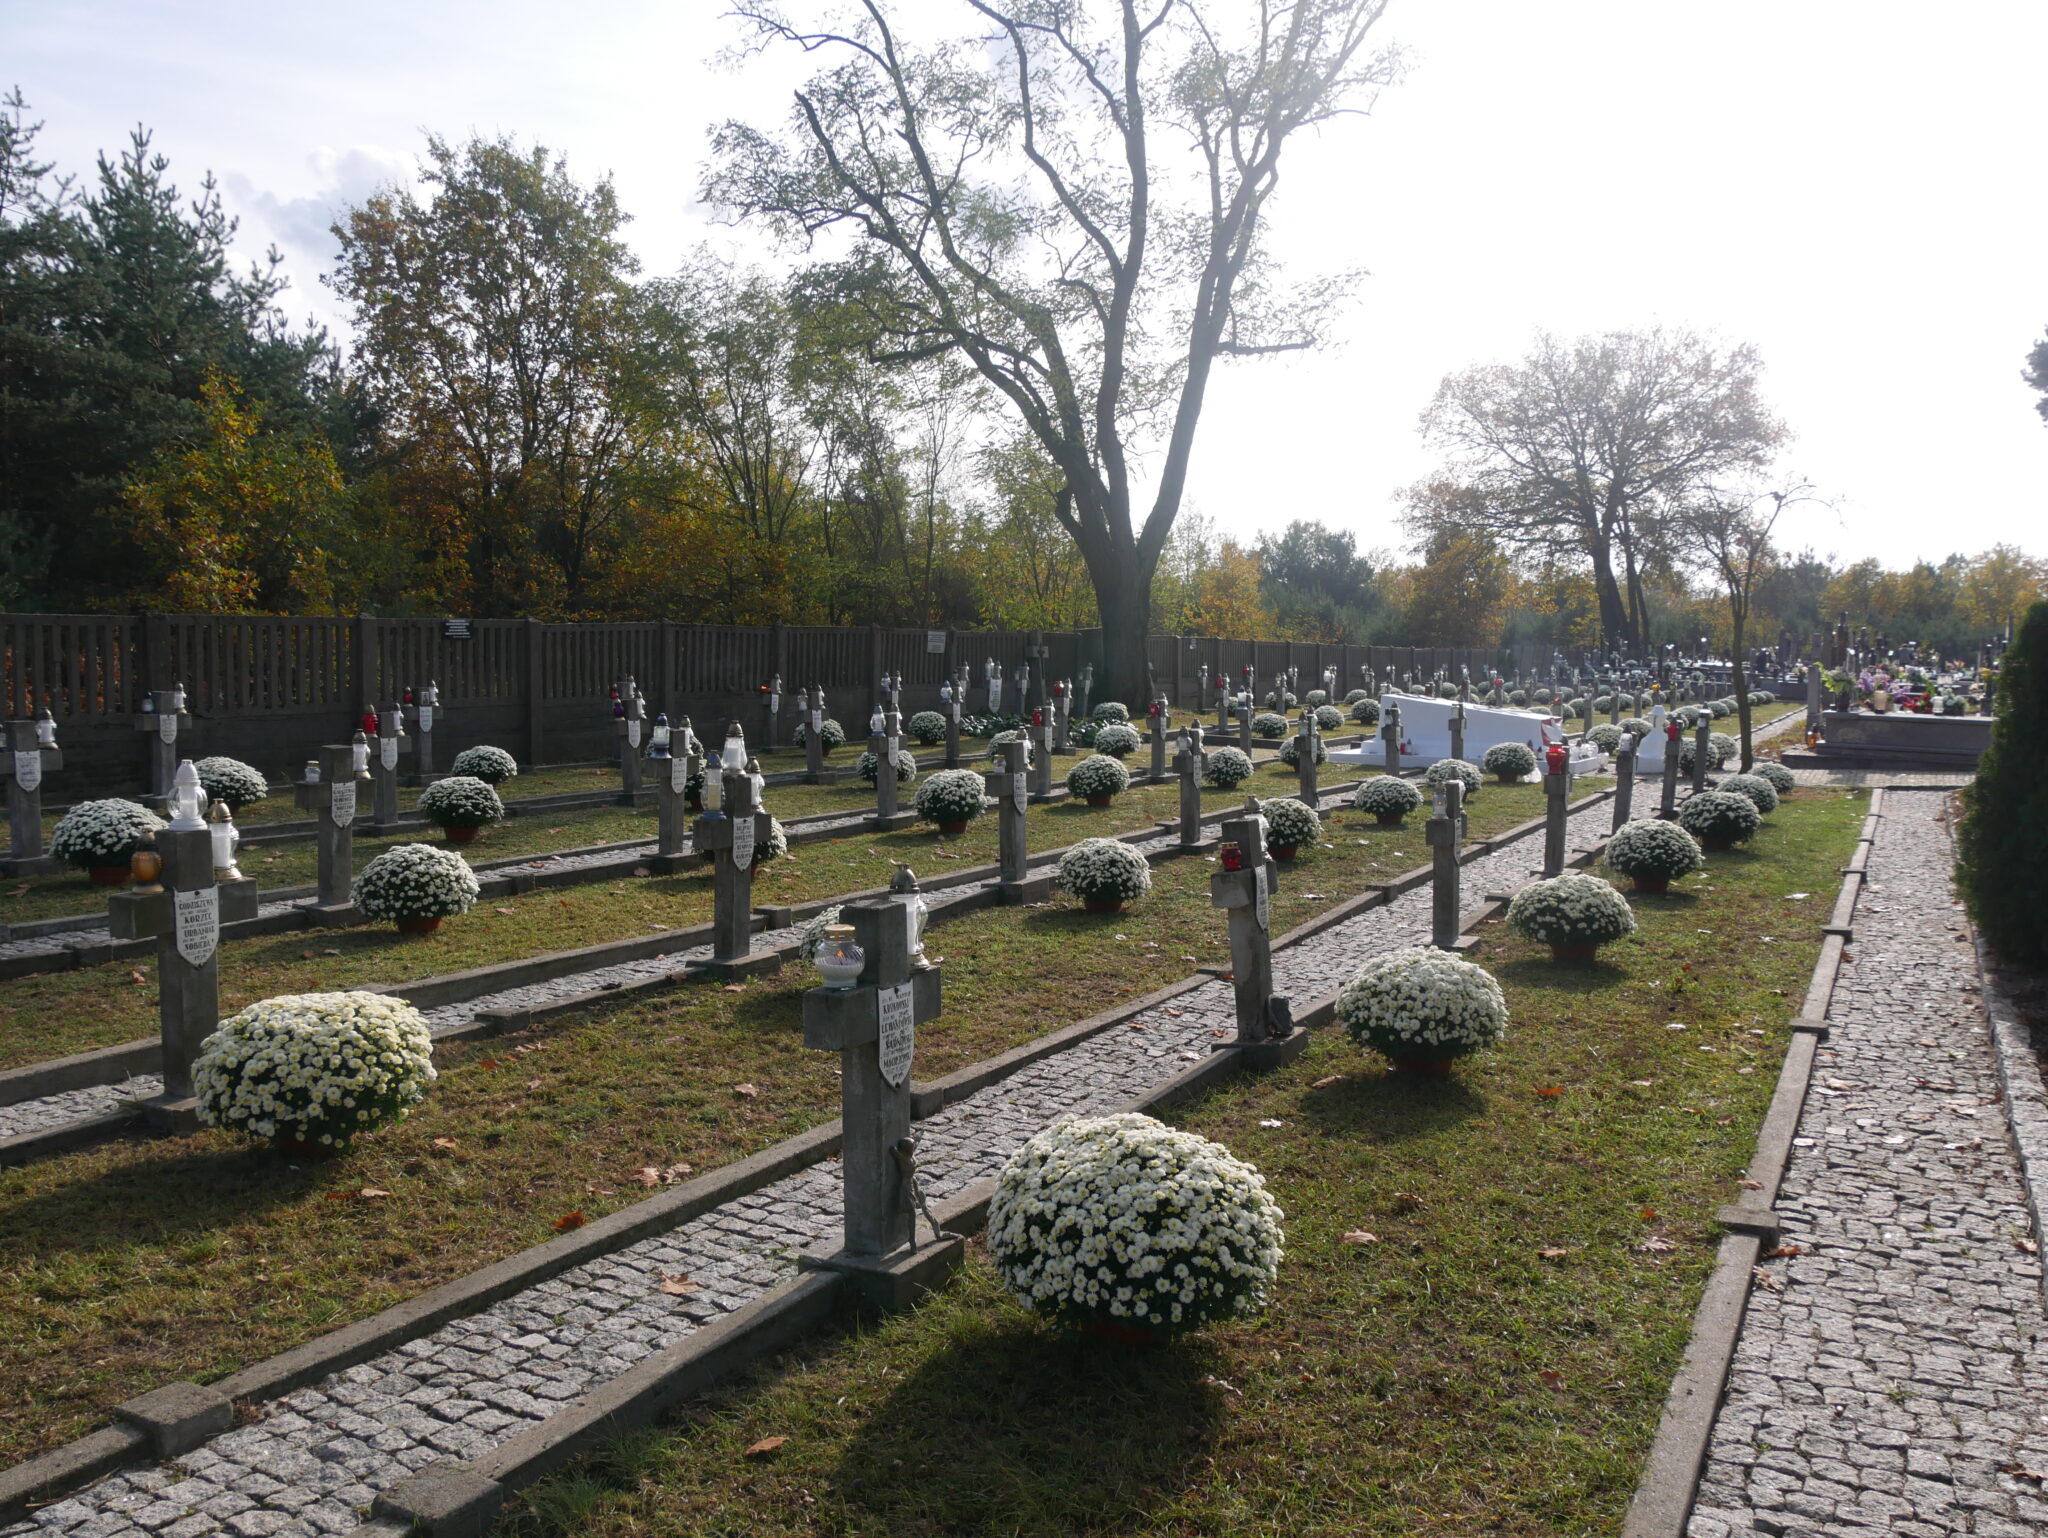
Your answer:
<point x="1780" y="778"/>
<point x="415" y="881"/>
<point x="102" y="832"/>
<point x="1509" y="761"/>
<point x="1104" y="871"/>
<point x="1329" y="718"/>
<point x="906" y="766"/>
<point x="1098" y="775"/>
<point x="1226" y="767"/>
<point x="232" y="781"/>
<point x="1754" y="786"/>
<point x="461" y="801"/>
<point x="318" y="1067"/>
<point x="1269" y="724"/>
<point x="1571" y="911"/>
<point x="1111" y="710"/>
<point x="950" y="797"/>
<point x="483" y="762"/>
<point x="1387" y="796"/>
<point x="1116" y="739"/>
<point x="1605" y="738"/>
<point x="1719" y="820"/>
<point x="1366" y="712"/>
<point x="1720" y="748"/>
<point x="1290" y="752"/>
<point x="1290" y="824"/>
<point x="1652" y="852"/>
<point x="1421" y="1005"/>
<point x="830" y="734"/>
<point x="927" y="726"/>
<point x="1445" y="770"/>
<point x="1121" y="1220"/>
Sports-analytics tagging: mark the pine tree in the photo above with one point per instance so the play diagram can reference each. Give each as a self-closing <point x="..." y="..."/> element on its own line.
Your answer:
<point x="2002" y="843"/>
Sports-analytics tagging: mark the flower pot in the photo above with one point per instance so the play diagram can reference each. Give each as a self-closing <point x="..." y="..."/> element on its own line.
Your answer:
<point x="1717" y="845"/>
<point x="693" y="803"/>
<point x="418" y="926"/>
<point x="1117" y="1333"/>
<point x="461" y="835"/>
<point x="1424" y="1067"/>
<point x="1508" y="779"/>
<point x="1282" y="851"/>
<point x="1389" y="819"/>
<point x="1651" y="883"/>
<point x="1101" y="800"/>
<point x="1103" y="904"/>
<point x="107" y="875"/>
<point x="300" y="1148"/>
<point x="1579" y="951"/>
<point x="952" y="829"/>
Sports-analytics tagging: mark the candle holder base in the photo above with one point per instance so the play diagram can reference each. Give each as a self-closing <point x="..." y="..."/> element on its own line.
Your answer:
<point x="896" y="1282"/>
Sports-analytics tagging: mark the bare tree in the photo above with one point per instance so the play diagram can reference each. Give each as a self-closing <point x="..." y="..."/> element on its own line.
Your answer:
<point x="1020" y="198"/>
<point x="1579" y="450"/>
<point x="1728" y="533"/>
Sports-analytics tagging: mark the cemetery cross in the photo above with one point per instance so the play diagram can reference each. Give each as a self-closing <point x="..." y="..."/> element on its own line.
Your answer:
<point x="731" y="837"/>
<point x="1445" y="834"/>
<point x="1243" y="888"/>
<point x="329" y="790"/>
<point x="31" y="753"/>
<point x="163" y="717"/>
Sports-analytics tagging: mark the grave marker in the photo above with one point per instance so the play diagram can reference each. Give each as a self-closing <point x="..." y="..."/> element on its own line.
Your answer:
<point x="669" y="761"/>
<point x="1445" y="834"/>
<point x="814" y="737"/>
<point x="1624" y="780"/>
<point x="1701" y="746"/>
<point x="1062" y="705"/>
<point x="873" y="1026"/>
<point x="1557" y="790"/>
<point x="425" y="715"/>
<point x="950" y="694"/>
<point x="731" y="837"/>
<point x="190" y="886"/>
<point x="31" y="753"/>
<point x="1188" y="764"/>
<point x="391" y="745"/>
<point x="1390" y="739"/>
<point x="1161" y="719"/>
<point x="629" y="721"/>
<point x="1306" y="743"/>
<point x="774" y="705"/>
<point x="163" y="717"/>
<point x="329" y="791"/>
<point x="1243" y="888"/>
<point x="1010" y="784"/>
<point x="887" y="746"/>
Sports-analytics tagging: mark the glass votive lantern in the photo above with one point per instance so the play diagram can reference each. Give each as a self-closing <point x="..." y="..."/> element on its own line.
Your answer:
<point x="839" y="958"/>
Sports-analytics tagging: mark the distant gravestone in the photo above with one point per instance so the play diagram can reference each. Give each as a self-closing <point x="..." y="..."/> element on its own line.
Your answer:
<point x="1243" y="887"/>
<point x="1445" y="834"/>
<point x="31" y="754"/>
<point x="163" y="720"/>
<point x="731" y="837"/>
<point x="1188" y="764"/>
<point x="330" y="791"/>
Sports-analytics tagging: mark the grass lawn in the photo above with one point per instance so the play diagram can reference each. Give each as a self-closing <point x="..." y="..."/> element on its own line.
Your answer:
<point x="131" y="1264"/>
<point x="55" y="1013"/>
<point x="1489" y="1283"/>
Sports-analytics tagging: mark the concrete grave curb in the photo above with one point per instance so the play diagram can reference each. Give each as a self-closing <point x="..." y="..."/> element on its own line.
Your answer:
<point x="1663" y="1499"/>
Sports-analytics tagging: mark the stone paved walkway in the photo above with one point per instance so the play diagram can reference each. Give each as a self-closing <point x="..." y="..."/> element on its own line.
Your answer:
<point x="322" y="1453"/>
<point x="1890" y="1373"/>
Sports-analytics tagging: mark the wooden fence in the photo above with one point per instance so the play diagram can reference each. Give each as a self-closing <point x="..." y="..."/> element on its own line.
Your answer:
<point x="268" y="690"/>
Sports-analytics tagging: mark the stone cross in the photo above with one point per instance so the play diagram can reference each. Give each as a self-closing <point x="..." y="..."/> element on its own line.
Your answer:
<point x="1445" y="833"/>
<point x="994" y="674"/>
<point x="950" y="696"/>
<point x="1085" y="689"/>
<point x="329" y="791"/>
<point x="873" y="1028"/>
<point x="1243" y="888"/>
<point x="627" y="728"/>
<point x="814" y="737"/>
<point x="1306" y="743"/>
<point x="1624" y="779"/>
<point x="1202" y="689"/>
<point x="1458" y="725"/>
<point x="1614" y="702"/>
<point x="1188" y="763"/>
<point x="1390" y="738"/>
<point x="887" y="746"/>
<point x="31" y="753"/>
<point x="773" y="699"/>
<point x="1813" y="681"/>
<point x="1020" y="688"/>
<point x="1557" y="792"/>
<point x="1040" y="733"/>
<point x="732" y="836"/>
<point x="391" y="745"/>
<point x="1244" y="722"/>
<point x="671" y="762"/>
<point x="184" y="912"/>
<point x="1062" y="708"/>
<point x="1701" y="746"/>
<point x="164" y="718"/>
<point x="1161" y="719"/>
<point x="1010" y="789"/>
<point x="1668" y="806"/>
<point x="425" y="714"/>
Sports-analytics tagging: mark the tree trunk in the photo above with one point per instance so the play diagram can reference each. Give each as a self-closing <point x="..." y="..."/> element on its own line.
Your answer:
<point x="1613" y="618"/>
<point x="1741" y="678"/>
<point x="1123" y="599"/>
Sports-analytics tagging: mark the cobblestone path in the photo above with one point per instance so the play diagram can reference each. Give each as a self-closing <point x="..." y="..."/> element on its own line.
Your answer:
<point x="1891" y="1372"/>
<point x="322" y="1453"/>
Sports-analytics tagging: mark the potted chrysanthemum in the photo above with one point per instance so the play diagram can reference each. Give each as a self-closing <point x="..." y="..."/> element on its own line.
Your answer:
<point x="952" y="798"/>
<point x="1754" y="786"/>
<point x="1097" y="779"/>
<point x="927" y="726"/>
<point x="1388" y="797"/>
<point x="1509" y="762"/>
<point x="906" y="766"/>
<point x="1226" y="767"/>
<point x="1653" y="853"/>
<point x="494" y="766"/>
<point x="1104" y="873"/>
<point x="461" y="806"/>
<point x="1719" y="820"/>
<point x="1129" y="1230"/>
<point x="1574" y="914"/>
<point x="1447" y="769"/>
<point x="1422" y="1009"/>
<point x="232" y="781"/>
<point x="99" y="837"/>
<point x="415" y="886"/>
<point x="1116" y="739"/>
<point x="830" y="735"/>
<point x="1289" y="825"/>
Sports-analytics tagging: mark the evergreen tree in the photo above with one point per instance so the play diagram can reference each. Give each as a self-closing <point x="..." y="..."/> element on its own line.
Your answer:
<point x="2002" y="843"/>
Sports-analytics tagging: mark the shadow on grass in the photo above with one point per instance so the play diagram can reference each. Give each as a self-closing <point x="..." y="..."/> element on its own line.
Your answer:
<point x="1389" y="1107"/>
<point x="1562" y="976"/>
<point x="198" y="1190"/>
<point x="1015" y="1429"/>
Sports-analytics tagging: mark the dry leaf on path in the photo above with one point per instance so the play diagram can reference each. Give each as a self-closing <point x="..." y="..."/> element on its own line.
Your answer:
<point x="766" y="1447"/>
<point x="1549" y="1090"/>
<point x="647" y="1175"/>
<point x="1656" y="1244"/>
<point x="569" y="1220"/>
<point x="1766" y="1279"/>
<point x="677" y="1285"/>
<point x="1554" y="1253"/>
<point x="2027" y="1245"/>
<point x="676" y="1172"/>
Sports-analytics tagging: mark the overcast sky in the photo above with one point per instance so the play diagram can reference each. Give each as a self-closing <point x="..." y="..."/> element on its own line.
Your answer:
<point x="1852" y="187"/>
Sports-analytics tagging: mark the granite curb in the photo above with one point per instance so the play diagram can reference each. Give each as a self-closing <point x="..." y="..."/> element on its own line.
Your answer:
<point x="1663" y="1499"/>
<point x="2019" y="1076"/>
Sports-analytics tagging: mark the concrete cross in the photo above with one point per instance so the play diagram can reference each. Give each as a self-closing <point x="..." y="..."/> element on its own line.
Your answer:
<point x="1702" y="745"/>
<point x="993" y="673"/>
<point x="27" y="758"/>
<point x="1813" y="700"/>
<point x="1161" y="719"/>
<point x="873" y="1028"/>
<point x="1010" y="784"/>
<point x="887" y="746"/>
<point x="674" y="756"/>
<point x="814" y="737"/>
<point x="1306" y="745"/>
<point x="183" y="912"/>
<point x="163" y="718"/>
<point x="1244" y="722"/>
<point x="1445" y="835"/>
<point x="628" y="728"/>
<point x="1243" y="887"/>
<point x="1390" y="738"/>
<point x="426" y="715"/>
<point x="1040" y="733"/>
<point x="732" y="837"/>
<point x="773" y="701"/>
<point x="1458" y="725"/>
<point x="1557" y="792"/>
<point x="1624" y="779"/>
<point x="1062" y="710"/>
<point x="1188" y="763"/>
<point x="950" y="694"/>
<point x="391" y="745"/>
<point x="330" y="792"/>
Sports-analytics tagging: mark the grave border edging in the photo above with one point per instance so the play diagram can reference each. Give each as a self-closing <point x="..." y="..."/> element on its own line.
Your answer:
<point x="1661" y="1504"/>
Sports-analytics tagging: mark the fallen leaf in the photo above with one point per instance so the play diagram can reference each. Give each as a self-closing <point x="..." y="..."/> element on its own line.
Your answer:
<point x="1552" y="1378"/>
<point x="1554" y="1254"/>
<point x="1547" y="1090"/>
<point x="489" y="1062"/>
<point x="505" y="910"/>
<point x="2026" y="1245"/>
<point x="1271" y="1121"/>
<point x="677" y="1285"/>
<point x="444" y="1143"/>
<point x="20" y="891"/>
<point x="332" y="950"/>
<point x="569" y="1220"/>
<point x="735" y="987"/>
<point x="1361" y="1236"/>
<point x="1656" y="1244"/>
<point x="1766" y="1280"/>
<point x="372" y="1193"/>
<point x="1406" y="1201"/>
<point x="676" y="1172"/>
<point x="2021" y="1471"/>
<point x="1784" y="1252"/>
<point x="647" y="1175"/>
<point x="305" y="955"/>
<point x="746" y="1089"/>
<point x="1220" y="1383"/>
<point x="766" y="1447"/>
<point x="1648" y="1214"/>
<point x="137" y="975"/>
<point x="1327" y="1081"/>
